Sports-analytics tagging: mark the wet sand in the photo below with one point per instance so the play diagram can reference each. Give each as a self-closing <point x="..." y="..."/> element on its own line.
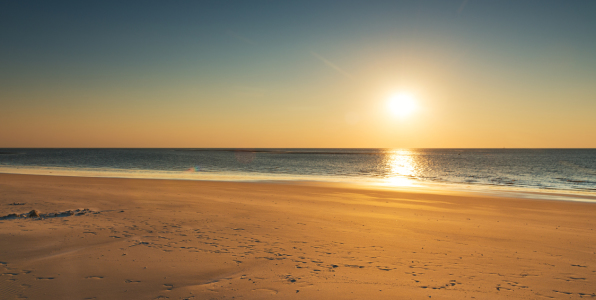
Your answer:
<point x="168" y="239"/>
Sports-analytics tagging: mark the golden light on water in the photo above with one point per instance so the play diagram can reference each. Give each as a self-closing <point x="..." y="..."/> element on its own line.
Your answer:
<point x="401" y="167"/>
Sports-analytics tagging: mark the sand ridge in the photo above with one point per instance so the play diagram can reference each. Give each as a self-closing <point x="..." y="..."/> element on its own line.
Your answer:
<point x="220" y="240"/>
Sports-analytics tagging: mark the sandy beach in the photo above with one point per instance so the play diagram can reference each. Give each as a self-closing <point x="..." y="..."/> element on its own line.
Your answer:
<point x="102" y="238"/>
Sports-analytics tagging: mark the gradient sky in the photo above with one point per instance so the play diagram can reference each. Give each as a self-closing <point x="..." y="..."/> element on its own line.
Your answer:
<point x="297" y="73"/>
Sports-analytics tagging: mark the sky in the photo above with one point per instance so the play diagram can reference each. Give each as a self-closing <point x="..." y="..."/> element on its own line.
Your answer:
<point x="297" y="74"/>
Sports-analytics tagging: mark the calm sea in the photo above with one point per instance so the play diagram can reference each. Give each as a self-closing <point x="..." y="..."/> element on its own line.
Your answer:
<point x="560" y="170"/>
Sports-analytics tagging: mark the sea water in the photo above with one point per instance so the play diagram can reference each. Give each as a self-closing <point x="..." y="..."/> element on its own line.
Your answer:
<point x="558" y="170"/>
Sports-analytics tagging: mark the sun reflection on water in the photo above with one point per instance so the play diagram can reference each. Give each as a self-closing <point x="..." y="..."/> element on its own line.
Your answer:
<point x="401" y="167"/>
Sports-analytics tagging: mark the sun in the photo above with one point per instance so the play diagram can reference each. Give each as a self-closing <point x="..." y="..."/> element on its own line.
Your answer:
<point x="402" y="104"/>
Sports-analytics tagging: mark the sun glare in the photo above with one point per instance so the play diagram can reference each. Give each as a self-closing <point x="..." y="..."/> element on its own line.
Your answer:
<point x="402" y="104"/>
<point x="401" y="167"/>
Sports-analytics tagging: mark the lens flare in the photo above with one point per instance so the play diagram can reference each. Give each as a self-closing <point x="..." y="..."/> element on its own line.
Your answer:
<point x="193" y="169"/>
<point x="244" y="156"/>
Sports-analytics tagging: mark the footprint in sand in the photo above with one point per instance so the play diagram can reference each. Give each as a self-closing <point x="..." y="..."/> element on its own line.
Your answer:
<point x="561" y="292"/>
<point x="131" y="281"/>
<point x="267" y="291"/>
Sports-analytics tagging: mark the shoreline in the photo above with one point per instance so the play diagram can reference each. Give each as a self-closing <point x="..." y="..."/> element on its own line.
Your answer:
<point x="182" y="239"/>
<point x="403" y="183"/>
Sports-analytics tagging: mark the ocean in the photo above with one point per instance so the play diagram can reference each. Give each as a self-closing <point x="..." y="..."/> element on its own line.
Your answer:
<point x="553" y="170"/>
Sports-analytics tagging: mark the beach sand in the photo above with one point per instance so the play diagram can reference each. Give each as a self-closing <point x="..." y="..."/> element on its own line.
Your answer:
<point x="171" y="239"/>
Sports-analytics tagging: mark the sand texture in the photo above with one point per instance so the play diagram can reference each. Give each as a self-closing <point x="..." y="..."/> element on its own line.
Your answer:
<point x="158" y="239"/>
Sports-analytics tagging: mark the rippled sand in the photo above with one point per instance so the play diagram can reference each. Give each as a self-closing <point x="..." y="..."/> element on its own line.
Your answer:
<point x="151" y="239"/>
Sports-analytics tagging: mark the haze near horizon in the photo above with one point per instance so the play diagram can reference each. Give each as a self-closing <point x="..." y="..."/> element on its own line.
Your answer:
<point x="302" y="74"/>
